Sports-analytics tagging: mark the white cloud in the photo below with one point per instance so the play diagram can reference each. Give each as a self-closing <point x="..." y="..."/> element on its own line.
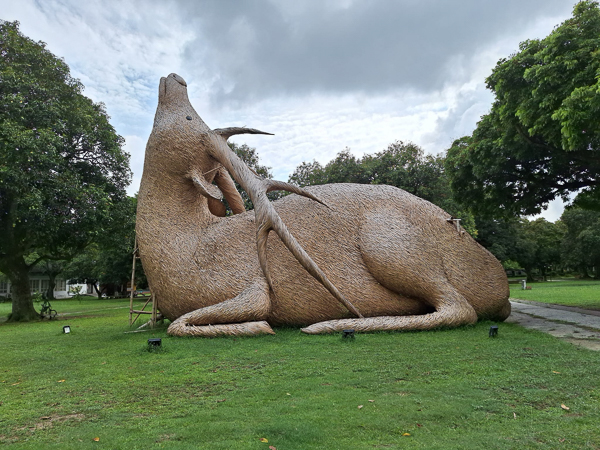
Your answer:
<point x="553" y="211"/>
<point x="321" y="76"/>
<point x="135" y="146"/>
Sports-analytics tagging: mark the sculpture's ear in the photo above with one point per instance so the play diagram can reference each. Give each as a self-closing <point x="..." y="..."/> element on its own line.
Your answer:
<point x="205" y="188"/>
<point x="214" y="194"/>
<point x="211" y="192"/>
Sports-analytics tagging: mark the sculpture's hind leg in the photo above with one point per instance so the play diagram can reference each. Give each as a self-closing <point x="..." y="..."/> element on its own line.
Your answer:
<point x="412" y="267"/>
<point x="241" y="315"/>
<point x="452" y="310"/>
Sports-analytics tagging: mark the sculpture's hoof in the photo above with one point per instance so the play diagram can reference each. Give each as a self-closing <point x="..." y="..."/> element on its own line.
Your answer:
<point x="229" y="329"/>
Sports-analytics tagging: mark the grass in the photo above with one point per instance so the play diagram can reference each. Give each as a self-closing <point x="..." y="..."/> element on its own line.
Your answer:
<point x="447" y="389"/>
<point x="579" y="293"/>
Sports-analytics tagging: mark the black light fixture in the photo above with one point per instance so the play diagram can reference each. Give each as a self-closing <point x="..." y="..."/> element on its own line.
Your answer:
<point x="348" y="334"/>
<point x="66" y="329"/>
<point x="494" y="331"/>
<point x="154" y="342"/>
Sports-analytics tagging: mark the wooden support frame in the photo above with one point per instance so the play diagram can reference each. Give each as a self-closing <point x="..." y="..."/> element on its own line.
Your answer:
<point x="155" y="315"/>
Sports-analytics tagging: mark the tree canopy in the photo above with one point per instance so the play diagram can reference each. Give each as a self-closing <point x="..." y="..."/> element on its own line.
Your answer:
<point x="534" y="245"/>
<point x="404" y="165"/>
<point x="581" y="244"/>
<point x="541" y="139"/>
<point x="106" y="264"/>
<point x="63" y="171"/>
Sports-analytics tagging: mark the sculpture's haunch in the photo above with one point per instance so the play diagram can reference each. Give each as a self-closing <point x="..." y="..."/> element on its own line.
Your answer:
<point x="342" y="256"/>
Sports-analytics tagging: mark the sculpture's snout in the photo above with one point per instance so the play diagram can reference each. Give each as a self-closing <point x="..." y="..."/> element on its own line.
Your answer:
<point x="178" y="79"/>
<point x="173" y="91"/>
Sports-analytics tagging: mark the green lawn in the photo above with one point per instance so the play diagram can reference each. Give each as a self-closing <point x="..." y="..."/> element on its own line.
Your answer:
<point x="579" y="293"/>
<point x="448" y="389"/>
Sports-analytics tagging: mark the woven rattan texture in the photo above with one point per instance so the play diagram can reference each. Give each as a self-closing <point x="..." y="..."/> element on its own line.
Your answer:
<point x="379" y="258"/>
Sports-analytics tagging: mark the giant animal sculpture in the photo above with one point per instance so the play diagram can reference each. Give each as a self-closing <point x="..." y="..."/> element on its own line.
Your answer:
<point x="342" y="256"/>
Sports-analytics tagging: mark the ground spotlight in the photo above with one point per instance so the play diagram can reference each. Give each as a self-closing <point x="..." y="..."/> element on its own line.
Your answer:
<point x="494" y="331"/>
<point x="348" y="334"/>
<point x="66" y="329"/>
<point x="154" y="342"/>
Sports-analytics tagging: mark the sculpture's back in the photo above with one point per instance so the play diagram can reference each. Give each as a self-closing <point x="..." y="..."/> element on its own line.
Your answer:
<point x="388" y="257"/>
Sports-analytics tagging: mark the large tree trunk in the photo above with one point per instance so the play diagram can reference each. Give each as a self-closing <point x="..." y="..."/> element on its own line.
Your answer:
<point x="529" y="273"/>
<point x="51" y="285"/>
<point x="52" y="269"/>
<point x="17" y="272"/>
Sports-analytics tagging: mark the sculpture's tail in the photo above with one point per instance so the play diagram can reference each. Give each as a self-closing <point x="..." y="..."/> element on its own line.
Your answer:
<point x="451" y="311"/>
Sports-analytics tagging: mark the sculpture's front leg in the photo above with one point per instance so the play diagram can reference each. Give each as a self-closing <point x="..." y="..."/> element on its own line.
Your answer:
<point x="244" y="314"/>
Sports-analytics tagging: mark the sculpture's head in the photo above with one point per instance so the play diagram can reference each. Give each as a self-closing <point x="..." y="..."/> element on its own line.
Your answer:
<point x="174" y="108"/>
<point x="184" y="157"/>
<point x="172" y="89"/>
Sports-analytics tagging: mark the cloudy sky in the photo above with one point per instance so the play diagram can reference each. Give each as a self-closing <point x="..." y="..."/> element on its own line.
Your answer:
<point x="320" y="74"/>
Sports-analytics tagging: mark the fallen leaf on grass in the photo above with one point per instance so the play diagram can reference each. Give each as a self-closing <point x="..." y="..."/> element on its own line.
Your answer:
<point x="554" y="371"/>
<point x="563" y="406"/>
<point x="221" y="401"/>
<point x="272" y="447"/>
<point x="287" y="393"/>
<point x="408" y="434"/>
<point x="61" y="381"/>
<point x="372" y="401"/>
<point x="515" y="415"/>
<point x="96" y="439"/>
<point x="14" y="384"/>
<point x="360" y="406"/>
<point x="264" y="440"/>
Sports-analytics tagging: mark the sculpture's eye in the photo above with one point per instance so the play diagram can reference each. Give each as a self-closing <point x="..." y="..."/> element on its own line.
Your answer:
<point x="189" y="117"/>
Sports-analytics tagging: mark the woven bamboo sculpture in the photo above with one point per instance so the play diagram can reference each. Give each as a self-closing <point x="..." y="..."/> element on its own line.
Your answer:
<point x="342" y="256"/>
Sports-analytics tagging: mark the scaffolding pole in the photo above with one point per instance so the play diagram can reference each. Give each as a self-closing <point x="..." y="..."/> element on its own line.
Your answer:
<point x="132" y="281"/>
<point x="155" y="315"/>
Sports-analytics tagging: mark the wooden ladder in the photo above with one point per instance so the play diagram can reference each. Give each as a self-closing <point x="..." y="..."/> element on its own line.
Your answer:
<point x="156" y="316"/>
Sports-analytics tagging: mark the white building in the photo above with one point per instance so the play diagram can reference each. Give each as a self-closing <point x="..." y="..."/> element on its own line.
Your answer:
<point x="39" y="283"/>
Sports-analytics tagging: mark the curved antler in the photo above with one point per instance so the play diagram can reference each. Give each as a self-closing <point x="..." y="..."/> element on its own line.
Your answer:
<point x="267" y="218"/>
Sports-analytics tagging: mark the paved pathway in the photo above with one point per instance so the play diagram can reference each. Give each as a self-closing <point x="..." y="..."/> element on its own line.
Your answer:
<point x="575" y="325"/>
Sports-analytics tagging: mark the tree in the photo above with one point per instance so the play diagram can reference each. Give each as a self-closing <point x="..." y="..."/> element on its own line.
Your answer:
<point x="344" y="168"/>
<point x="308" y="174"/>
<point x="580" y="248"/>
<point x="106" y="264"/>
<point x="536" y="245"/>
<point x="541" y="139"/>
<point x="52" y="268"/>
<point x="500" y="237"/>
<point x="547" y="237"/>
<point x="404" y="165"/>
<point x="63" y="172"/>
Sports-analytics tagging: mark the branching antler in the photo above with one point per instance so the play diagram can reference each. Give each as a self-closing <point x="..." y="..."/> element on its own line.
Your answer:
<point x="267" y="218"/>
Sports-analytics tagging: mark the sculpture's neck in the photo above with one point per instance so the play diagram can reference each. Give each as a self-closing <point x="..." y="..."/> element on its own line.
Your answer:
<point x="172" y="216"/>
